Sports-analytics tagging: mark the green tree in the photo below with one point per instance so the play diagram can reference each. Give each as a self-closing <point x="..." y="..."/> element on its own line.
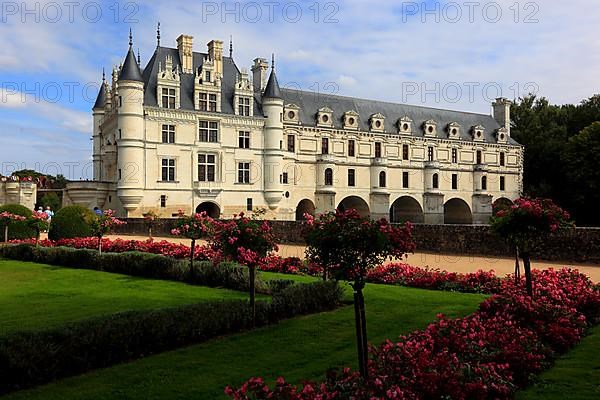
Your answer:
<point x="580" y="159"/>
<point x="51" y="199"/>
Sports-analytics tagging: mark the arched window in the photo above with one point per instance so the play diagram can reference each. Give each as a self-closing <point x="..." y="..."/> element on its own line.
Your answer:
<point x="328" y="177"/>
<point x="435" y="181"/>
<point x="382" y="179"/>
<point x="484" y="183"/>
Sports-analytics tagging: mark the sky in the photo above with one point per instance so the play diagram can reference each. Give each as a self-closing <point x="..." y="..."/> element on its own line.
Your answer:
<point x="444" y="54"/>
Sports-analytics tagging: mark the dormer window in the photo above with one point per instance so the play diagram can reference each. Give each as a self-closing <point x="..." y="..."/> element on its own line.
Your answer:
<point x="244" y="106"/>
<point x="168" y="80"/>
<point x="502" y="135"/>
<point x="168" y="98"/>
<point x="291" y="113"/>
<point x="405" y="125"/>
<point x="477" y="132"/>
<point x="377" y="122"/>
<point x="207" y="76"/>
<point x="325" y="117"/>
<point x="454" y="130"/>
<point x="350" y="120"/>
<point x="430" y="128"/>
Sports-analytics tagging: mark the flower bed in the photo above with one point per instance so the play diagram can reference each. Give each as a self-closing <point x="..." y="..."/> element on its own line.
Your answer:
<point x="163" y="247"/>
<point x="488" y="354"/>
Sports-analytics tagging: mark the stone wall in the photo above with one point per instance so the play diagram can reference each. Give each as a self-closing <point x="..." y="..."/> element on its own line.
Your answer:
<point x="578" y="245"/>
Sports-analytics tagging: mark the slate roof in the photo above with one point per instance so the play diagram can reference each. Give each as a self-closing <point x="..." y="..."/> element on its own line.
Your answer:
<point x="311" y="102"/>
<point x="101" y="99"/>
<point x="131" y="69"/>
<point x="272" y="89"/>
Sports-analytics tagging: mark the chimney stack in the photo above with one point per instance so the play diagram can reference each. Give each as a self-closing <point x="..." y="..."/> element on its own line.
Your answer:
<point x="259" y="74"/>
<point x="185" y="47"/>
<point x="215" y="53"/>
<point x="502" y="112"/>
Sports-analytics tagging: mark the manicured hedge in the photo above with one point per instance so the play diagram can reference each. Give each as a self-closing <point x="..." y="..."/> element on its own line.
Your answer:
<point x="71" y="222"/>
<point x="32" y="358"/>
<point x="153" y="266"/>
<point x="18" y="229"/>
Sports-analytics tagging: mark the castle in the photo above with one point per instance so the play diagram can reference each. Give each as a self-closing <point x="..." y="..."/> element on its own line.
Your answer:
<point x="192" y="131"/>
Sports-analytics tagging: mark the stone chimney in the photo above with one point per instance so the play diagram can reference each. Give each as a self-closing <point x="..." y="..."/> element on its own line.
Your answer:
<point x="502" y="112"/>
<point x="215" y="53"/>
<point x="185" y="47"/>
<point x="259" y="74"/>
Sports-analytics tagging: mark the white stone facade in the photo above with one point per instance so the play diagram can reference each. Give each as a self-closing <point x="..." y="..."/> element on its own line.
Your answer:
<point x="18" y="192"/>
<point x="190" y="131"/>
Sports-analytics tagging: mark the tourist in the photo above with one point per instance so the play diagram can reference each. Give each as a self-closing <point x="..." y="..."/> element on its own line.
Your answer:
<point x="49" y="213"/>
<point x="97" y="211"/>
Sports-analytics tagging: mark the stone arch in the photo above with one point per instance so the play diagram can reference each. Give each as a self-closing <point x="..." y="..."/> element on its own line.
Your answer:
<point x="501" y="203"/>
<point x="356" y="203"/>
<point x="457" y="211"/>
<point x="305" y="206"/>
<point x="212" y="209"/>
<point x="406" y="208"/>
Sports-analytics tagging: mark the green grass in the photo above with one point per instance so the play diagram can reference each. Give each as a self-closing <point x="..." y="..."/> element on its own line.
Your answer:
<point x="36" y="296"/>
<point x="301" y="348"/>
<point x="575" y="376"/>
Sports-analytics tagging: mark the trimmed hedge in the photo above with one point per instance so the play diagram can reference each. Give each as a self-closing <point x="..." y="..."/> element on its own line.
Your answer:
<point x="146" y="265"/>
<point x="71" y="222"/>
<point x="32" y="358"/>
<point x="18" y="230"/>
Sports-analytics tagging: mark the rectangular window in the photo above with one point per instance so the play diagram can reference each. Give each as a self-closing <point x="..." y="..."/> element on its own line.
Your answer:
<point x="120" y="174"/>
<point x="120" y="101"/>
<point x="502" y="160"/>
<point x="244" y="172"/>
<point x="291" y="143"/>
<point x="163" y="201"/>
<point x="168" y="133"/>
<point x="284" y="178"/>
<point x="203" y="101"/>
<point x="244" y="139"/>
<point x="212" y="102"/>
<point x="207" y="76"/>
<point x="120" y="134"/>
<point x="168" y="170"/>
<point x="325" y="146"/>
<point x="206" y="167"/>
<point x="249" y="204"/>
<point x="405" y="180"/>
<point x="351" y="148"/>
<point x="405" y="149"/>
<point x="168" y="98"/>
<point x="377" y="150"/>
<point x="454" y="181"/>
<point x="430" y="153"/>
<point x="454" y="156"/>
<point x="478" y="161"/>
<point x="502" y="184"/>
<point x="244" y="106"/>
<point x="351" y="177"/>
<point x="209" y="131"/>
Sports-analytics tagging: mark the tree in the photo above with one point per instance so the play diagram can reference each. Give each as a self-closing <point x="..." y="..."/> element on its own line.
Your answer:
<point x="193" y="227"/>
<point x="38" y="222"/>
<point x="352" y="245"/>
<point x="7" y="219"/>
<point x="583" y="174"/>
<point x="527" y="223"/>
<point x="247" y="241"/>
<point x="150" y="220"/>
<point x="51" y="200"/>
<point x="102" y="224"/>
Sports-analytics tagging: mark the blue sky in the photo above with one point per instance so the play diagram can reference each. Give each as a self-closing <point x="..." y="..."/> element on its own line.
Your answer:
<point x="456" y="55"/>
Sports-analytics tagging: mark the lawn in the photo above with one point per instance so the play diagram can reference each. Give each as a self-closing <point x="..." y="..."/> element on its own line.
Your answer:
<point x="35" y="296"/>
<point x="575" y="376"/>
<point x="299" y="348"/>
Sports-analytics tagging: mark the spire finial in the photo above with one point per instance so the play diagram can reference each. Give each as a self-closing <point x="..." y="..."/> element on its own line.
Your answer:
<point x="230" y="46"/>
<point x="103" y="76"/>
<point x="158" y="35"/>
<point x="130" y="37"/>
<point x="139" y="57"/>
<point x="273" y="61"/>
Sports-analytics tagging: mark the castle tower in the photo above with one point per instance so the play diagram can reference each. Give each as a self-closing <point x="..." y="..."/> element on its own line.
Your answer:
<point x="272" y="103"/>
<point x="130" y="137"/>
<point x="98" y="112"/>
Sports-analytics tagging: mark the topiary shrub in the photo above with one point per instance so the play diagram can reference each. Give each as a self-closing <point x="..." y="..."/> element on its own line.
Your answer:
<point x="18" y="229"/>
<point x="71" y="222"/>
